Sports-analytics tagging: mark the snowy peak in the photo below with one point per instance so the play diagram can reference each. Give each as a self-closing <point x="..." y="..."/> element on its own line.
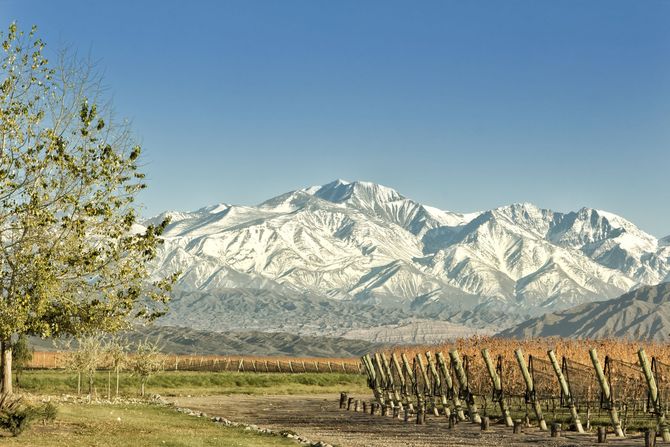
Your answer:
<point x="586" y="226"/>
<point x="364" y="194"/>
<point x="374" y="200"/>
<point x="214" y="209"/>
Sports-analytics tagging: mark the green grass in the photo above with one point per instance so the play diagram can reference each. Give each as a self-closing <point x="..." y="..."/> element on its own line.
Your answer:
<point x="134" y="426"/>
<point x="182" y="383"/>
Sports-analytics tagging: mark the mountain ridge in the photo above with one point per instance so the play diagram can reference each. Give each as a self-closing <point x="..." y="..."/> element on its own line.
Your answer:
<point x="643" y="314"/>
<point x="359" y="243"/>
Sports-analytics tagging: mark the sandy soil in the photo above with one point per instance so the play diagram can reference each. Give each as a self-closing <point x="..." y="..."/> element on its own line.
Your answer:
<point x="318" y="417"/>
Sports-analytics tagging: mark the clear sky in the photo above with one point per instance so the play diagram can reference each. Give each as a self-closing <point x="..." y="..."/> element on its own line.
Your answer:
<point x="463" y="105"/>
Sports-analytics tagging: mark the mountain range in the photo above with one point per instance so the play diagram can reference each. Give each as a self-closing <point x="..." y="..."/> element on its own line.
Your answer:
<point x="359" y="260"/>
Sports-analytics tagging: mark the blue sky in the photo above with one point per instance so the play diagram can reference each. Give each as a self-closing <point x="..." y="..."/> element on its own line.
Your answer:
<point x="464" y="105"/>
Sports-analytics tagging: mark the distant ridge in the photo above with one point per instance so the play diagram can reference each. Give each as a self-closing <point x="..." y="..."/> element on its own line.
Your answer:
<point x="179" y="340"/>
<point x="643" y="314"/>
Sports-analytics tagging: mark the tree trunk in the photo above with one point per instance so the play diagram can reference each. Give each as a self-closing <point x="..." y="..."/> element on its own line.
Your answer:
<point x="79" y="384"/>
<point x="2" y="364"/>
<point x="142" y="389"/>
<point x="6" y="367"/>
<point x="117" y="382"/>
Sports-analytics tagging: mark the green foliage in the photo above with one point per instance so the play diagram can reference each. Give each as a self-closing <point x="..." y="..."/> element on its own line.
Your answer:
<point x="22" y="353"/>
<point x="15" y="415"/>
<point x="47" y="412"/>
<point x="72" y="259"/>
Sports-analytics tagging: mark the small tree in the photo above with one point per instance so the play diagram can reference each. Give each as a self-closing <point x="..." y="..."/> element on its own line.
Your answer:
<point x="22" y="355"/>
<point x="147" y="361"/>
<point x="85" y="360"/>
<point x="117" y="354"/>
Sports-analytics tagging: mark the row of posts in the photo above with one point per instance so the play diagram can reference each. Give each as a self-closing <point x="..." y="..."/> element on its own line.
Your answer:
<point x="380" y="372"/>
<point x="356" y="405"/>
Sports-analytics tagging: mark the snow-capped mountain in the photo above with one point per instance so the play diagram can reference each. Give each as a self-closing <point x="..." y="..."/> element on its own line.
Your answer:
<point x="363" y="244"/>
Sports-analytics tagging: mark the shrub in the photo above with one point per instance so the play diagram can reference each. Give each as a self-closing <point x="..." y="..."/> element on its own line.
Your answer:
<point x="16" y="415"/>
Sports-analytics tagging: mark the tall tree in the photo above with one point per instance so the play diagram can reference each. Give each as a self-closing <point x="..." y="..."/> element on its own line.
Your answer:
<point x="73" y="260"/>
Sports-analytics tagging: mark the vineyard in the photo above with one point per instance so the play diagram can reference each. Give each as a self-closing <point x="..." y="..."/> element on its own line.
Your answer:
<point x="543" y="382"/>
<point x="57" y="360"/>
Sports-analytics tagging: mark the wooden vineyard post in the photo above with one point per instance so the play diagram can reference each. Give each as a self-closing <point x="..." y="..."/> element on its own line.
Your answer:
<point x="463" y="382"/>
<point x="426" y="381"/>
<point x="438" y="384"/>
<point x="379" y="369"/>
<point x="372" y="378"/>
<point x="607" y="394"/>
<point x="369" y="371"/>
<point x="497" y="387"/>
<point x="653" y="394"/>
<point x="410" y="375"/>
<point x="396" y="365"/>
<point x="383" y="378"/>
<point x="566" y="391"/>
<point x="650" y="438"/>
<point x="421" y="411"/>
<point x="556" y="430"/>
<point x="458" y="407"/>
<point x="530" y="387"/>
<point x="393" y="390"/>
<point x="602" y="435"/>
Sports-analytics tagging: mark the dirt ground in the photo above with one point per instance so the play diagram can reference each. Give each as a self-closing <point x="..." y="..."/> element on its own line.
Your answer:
<point x="318" y="418"/>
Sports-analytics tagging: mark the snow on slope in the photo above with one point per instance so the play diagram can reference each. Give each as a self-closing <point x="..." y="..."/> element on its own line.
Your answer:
<point x="363" y="242"/>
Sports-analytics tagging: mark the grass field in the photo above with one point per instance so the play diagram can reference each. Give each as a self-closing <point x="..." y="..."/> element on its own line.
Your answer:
<point x="143" y="425"/>
<point x="135" y="426"/>
<point x="182" y="383"/>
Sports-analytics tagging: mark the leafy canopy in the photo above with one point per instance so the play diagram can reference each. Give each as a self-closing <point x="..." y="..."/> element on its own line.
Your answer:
<point x="72" y="258"/>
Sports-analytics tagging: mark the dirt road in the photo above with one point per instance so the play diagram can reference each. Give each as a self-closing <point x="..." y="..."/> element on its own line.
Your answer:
<point x="318" y="417"/>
